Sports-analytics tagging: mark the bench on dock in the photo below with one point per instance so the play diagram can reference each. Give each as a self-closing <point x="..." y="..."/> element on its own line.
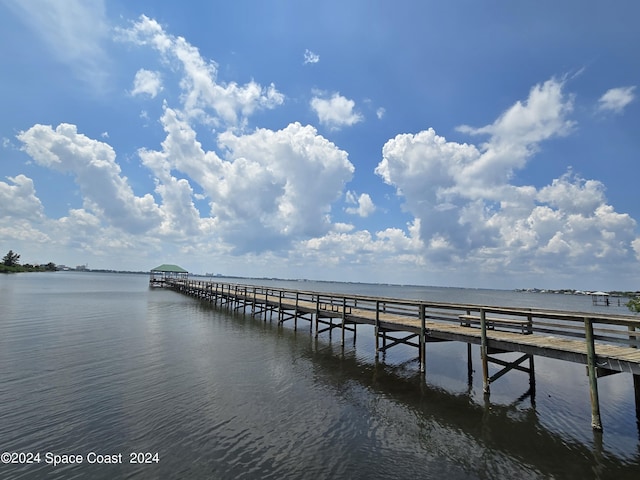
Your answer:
<point x="525" y="326"/>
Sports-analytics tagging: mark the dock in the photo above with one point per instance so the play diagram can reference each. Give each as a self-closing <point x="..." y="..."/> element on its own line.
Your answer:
<point x="606" y="344"/>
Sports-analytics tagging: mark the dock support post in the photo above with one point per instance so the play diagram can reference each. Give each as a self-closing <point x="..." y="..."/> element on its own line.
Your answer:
<point x="317" y="314"/>
<point x="236" y="300"/>
<point x="636" y="389"/>
<point x="295" y="318"/>
<point x="344" y="316"/>
<point x="484" y="352"/>
<point x="244" y="306"/>
<point x="377" y="328"/>
<point x="469" y="366"/>
<point x="596" y="423"/>
<point x="253" y="305"/>
<point x="636" y="378"/>
<point x="532" y="380"/>
<point x="355" y="331"/>
<point x="423" y="339"/>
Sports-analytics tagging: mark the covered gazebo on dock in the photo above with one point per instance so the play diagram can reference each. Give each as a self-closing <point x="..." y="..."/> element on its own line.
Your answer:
<point x="164" y="272"/>
<point x="600" y="298"/>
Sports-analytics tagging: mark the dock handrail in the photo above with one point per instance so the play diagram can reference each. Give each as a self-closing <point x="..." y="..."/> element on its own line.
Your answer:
<point x="611" y="329"/>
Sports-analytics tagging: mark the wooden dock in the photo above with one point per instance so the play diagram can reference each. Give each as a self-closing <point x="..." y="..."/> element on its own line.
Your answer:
<point x="606" y="344"/>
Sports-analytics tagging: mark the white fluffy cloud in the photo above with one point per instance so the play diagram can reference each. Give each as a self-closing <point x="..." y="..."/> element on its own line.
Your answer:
<point x="335" y="112"/>
<point x="93" y="163"/>
<point x="19" y="200"/>
<point x="257" y="184"/>
<point x="147" y="82"/>
<point x="394" y="254"/>
<point x="364" y="205"/>
<point x="259" y="193"/>
<point x="232" y="103"/>
<point x="516" y="134"/>
<point x="468" y="209"/>
<point x="616" y="99"/>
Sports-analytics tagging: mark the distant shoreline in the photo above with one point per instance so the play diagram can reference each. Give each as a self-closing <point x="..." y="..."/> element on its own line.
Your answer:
<point x="560" y="291"/>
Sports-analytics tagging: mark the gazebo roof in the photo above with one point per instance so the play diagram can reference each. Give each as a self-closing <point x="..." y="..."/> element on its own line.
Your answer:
<point x="165" y="267"/>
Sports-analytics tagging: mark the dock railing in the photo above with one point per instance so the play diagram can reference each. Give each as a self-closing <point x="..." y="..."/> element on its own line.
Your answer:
<point x="612" y="329"/>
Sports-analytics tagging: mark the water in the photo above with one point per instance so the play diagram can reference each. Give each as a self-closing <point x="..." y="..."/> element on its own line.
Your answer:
<point x="100" y="363"/>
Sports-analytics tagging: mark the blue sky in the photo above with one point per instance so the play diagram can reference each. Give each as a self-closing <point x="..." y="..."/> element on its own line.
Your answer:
<point x="474" y="144"/>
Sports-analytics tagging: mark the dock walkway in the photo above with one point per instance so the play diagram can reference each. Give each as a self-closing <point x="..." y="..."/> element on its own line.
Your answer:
<point x="606" y="344"/>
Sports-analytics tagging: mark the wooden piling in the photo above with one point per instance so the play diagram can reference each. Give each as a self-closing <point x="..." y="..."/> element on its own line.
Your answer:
<point x="344" y="319"/>
<point x="484" y="351"/>
<point x="253" y="305"/>
<point x="423" y="339"/>
<point x="633" y="340"/>
<point x="469" y="366"/>
<point x="317" y="314"/>
<point x="596" y="422"/>
<point x="532" y="380"/>
<point x="377" y="328"/>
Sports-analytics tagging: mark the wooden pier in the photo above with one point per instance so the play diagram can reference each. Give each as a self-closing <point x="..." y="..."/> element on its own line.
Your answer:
<point x="606" y="344"/>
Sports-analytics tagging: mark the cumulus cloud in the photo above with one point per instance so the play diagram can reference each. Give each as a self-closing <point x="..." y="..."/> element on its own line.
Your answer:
<point x="147" y="82"/>
<point x="257" y="184"/>
<point x="335" y="112"/>
<point x="394" y="253"/>
<point x="616" y="99"/>
<point x="364" y="205"/>
<point x="232" y="103"/>
<point x="636" y="248"/>
<point x="93" y="163"/>
<point x="310" y="57"/>
<point x="18" y="199"/>
<point x="259" y="193"/>
<point x="469" y="211"/>
<point x="516" y="134"/>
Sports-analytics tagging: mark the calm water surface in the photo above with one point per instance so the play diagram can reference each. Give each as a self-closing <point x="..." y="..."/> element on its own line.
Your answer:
<point x="100" y="363"/>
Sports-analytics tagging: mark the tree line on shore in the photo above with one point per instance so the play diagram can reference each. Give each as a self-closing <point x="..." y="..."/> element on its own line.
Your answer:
<point x="11" y="263"/>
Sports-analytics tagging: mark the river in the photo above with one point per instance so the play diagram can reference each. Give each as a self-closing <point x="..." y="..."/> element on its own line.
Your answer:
<point x="98" y="368"/>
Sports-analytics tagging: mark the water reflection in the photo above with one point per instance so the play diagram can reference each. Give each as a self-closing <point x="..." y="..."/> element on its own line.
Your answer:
<point x="475" y="435"/>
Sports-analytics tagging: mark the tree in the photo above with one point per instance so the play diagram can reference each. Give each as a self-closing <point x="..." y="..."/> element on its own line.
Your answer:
<point x="11" y="259"/>
<point x="634" y="304"/>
